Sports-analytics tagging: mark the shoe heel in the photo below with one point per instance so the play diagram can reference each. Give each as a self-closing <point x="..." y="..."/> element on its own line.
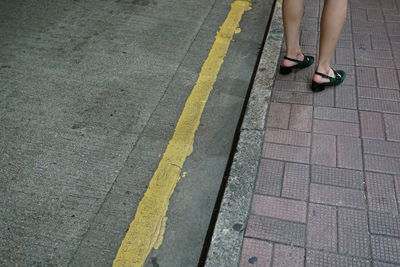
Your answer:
<point x="285" y="70"/>
<point x="317" y="87"/>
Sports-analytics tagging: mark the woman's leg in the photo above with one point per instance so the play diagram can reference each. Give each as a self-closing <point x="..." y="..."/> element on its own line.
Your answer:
<point x="292" y="14"/>
<point x="332" y="22"/>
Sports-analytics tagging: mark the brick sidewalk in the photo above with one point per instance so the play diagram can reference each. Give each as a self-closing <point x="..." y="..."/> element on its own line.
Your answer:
<point x="328" y="186"/>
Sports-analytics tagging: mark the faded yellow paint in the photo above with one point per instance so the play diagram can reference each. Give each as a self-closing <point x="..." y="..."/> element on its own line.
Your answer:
<point x="147" y="229"/>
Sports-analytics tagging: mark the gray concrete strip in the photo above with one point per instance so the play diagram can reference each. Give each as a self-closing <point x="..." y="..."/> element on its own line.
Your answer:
<point x="228" y="234"/>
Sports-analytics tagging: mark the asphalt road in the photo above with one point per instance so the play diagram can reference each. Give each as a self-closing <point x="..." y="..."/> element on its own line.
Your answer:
<point x="90" y="94"/>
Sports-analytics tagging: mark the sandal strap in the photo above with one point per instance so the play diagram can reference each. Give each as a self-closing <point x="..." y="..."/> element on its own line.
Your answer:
<point x="306" y="58"/>
<point x="337" y="75"/>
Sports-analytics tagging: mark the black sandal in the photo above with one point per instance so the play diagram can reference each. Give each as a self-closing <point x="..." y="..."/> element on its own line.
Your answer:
<point x="333" y="81"/>
<point x="301" y="64"/>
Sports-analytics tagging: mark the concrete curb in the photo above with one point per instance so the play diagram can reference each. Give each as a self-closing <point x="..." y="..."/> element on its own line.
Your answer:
<point x="227" y="239"/>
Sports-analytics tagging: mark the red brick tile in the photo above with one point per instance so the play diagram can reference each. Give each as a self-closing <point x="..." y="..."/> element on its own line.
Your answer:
<point x="380" y="147"/>
<point x="349" y="152"/>
<point x="385" y="248"/>
<point x="387" y="78"/>
<point x="269" y="178"/>
<point x="309" y="38"/>
<point x="278" y="115"/>
<point x="379" y="105"/>
<point x="336" y="128"/>
<point x="384" y="224"/>
<point x="337" y="196"/>
<point x="279" y="208"/>
<point x="392" y="123"/>
<point x="380" y="191"/>
<point x="323" y="150"/>
<point x="276" y="230"/>
<point x="382" y="164"/>
<point x="326" y="98"/>
<point x="353" y="233"/>
<point x="295" y="181"/>
<point x="393" y="28"/>
<point x="379" y="93"/>
<point x="362" y="41"/>
<point x="293" y="97"/>
<point x="286" y="152"/>
<point x="255" y="253"/>
<point x="285" y="256"/>
<point x="320" y="258"/>
<point x="336" y="114"/>
<point x="344" y="56"/>
<point x="366" y="77"/>
<point x="291" y="86"/>
<point x="322" y="227"/>
<point x="338" y="177"/>
<point x="380" y="42"/>
<point x="287" y="137"/>
<point x="375" y="14"/>
<point x="372" y="125"/>
<point x="346" y="96"/>
<point x="301" y="118"/>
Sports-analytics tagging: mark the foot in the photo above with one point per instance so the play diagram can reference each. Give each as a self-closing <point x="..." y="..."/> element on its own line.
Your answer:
<point x="289" y="63"/>
<point x="320" y="79"/>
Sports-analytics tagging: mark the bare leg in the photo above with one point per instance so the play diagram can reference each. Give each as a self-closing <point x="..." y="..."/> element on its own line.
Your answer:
<point x="292" y="14"/>
<point x="332" y="22"/>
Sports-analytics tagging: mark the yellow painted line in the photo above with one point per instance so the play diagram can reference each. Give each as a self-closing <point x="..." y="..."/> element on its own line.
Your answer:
<point x="147" y="229"/>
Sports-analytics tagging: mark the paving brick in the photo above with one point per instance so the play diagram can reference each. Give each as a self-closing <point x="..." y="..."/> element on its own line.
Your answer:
<point x="287" y="137"/>
<point x="382" y="164"/>
<point x="380" y="147"/>
<point x="384" y="224"/>
<point x="280" y="208"/>
<point x="397" y="189"/>
<point x="269" y="178"/>
<point x="372" y="125"/>
<point x="381" y="194"/>
<point x="325" y="259"/>
<point x="344" y="56"/>
<point x="336" y="128"/>
<point x="375" y="14"/>
<point x="392" y="123"/>
<point x="387" y="78"/>
<point x="379" y="105"/>
<point x="378" y="93"/>
<point x="389" y="4"/>
<point x="380" y="42"/>
<point x="362" y="41"/>
<point x="325" y="98"/>
<point x="374" y="58"/>
<point x="338" y="196"/>
<point x="301" y="118"/>
<point x="310" y="23"/>
<point x="383" y="264"/>
<point x="286" y="152"/>
<point x="337" y="177"/>
<point x="255" y="253"/>
<point x="366" y="77"/>
<point x="336" y="114"/>
<point x="393" y="28"/>
<point x="309" y="38"/>
<point x="276" y="230"/>
<point x="346" y="96"/>
<point x="291" y="86"/>
<point x="323" y="150"/>
<point x="353" y="233"/>
<point x="345" y="41"/>
<point x="349" y="152"/>
<point x="385" y="248"/>
<point x="305" y="75"/>
<point x="296" y="180"/>
<point x="292" y="97"/>
<point x="285" y="256"/>
<point x="322" y="227"/>
<point x="350" y="80"/>
<point x="278" y="115"/>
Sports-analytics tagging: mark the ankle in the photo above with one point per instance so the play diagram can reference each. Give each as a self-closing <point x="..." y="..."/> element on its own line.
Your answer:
<point x="294" y="53"/>
<point x="325" y="69"/>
